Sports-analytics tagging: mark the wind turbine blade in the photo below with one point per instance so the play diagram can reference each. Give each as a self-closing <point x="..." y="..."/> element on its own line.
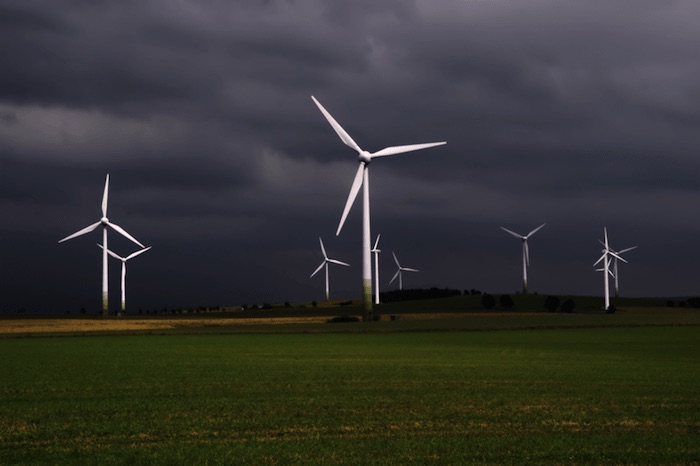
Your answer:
<point x="104" y="197"/>
<point x="527" y="253"/>
<point x="605" y="233"/>
<point x="356" y="184"/>
<point x="132" y="255"/>
<point x="317" y="270"/>
<point x="601" y="258"/>
<point x="111" y="253"/>
<point x="535" y="230"/>
<point x="396" y="260"/>
<point x="81" y="232"/>
<point x="323" y="250"/>
<point x="406" y="269"/>
<point x="123" y="232"/>
<point x="344" y="136"/>
<point x="395" y="275"/>
<point x="376" y="243"/>
<point x="627" y="249"/>
<point x="333" y="261"/>
<point x="616" y="256"/>
<point x="512" y="233"/>
<point x="393" y="150"/>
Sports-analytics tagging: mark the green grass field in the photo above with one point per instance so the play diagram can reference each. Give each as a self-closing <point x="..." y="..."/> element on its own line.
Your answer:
<point x="580" y="395"/>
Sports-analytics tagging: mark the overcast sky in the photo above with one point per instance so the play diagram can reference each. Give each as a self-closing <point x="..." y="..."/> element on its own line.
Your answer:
<point x="578" y="114"/>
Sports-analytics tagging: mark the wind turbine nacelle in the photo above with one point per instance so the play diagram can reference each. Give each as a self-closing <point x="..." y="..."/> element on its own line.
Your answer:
<point x="104" y="220"/>
<point x="365" y="157"/>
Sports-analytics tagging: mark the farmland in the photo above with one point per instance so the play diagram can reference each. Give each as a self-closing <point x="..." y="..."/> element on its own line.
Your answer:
<point x="582" y="394"/>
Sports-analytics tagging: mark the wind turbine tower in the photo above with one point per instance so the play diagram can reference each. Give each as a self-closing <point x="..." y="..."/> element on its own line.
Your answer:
<point x="376" y="251"/>
<point x="526" y="252"/>
<point x="104" y="222"/>
<point x="362" y="181"/>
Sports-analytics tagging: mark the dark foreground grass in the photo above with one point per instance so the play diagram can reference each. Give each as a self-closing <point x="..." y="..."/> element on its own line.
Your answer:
<point x="606" y="395"/>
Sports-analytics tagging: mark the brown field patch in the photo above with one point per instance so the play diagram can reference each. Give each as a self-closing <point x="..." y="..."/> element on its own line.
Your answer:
<point x="144" y="324"/>
<point x="62" y="325"/>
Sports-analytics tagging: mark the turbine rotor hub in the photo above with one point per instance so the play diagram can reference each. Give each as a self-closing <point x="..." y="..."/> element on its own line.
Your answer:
<point x="104" y="220"/>
<point x="365" y="157"/>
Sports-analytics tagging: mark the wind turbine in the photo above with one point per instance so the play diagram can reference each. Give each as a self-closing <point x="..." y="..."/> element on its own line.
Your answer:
<point x="615" y="272"/>
<point x="606" y="265"/>
<point x="526" y="251"/>
<point x="325" y="263"/>
<point x="398" y="272"/>
<point x="104" y="221"/>
<point x="124" y="259"/>
<point x="362" y="180"/>
<point x="376" y="251"/>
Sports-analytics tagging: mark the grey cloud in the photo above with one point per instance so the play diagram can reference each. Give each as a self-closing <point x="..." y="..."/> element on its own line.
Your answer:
<point x="577" y="114"/>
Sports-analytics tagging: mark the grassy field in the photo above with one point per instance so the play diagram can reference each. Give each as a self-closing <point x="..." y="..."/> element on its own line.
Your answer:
<point x="622" y="395"/>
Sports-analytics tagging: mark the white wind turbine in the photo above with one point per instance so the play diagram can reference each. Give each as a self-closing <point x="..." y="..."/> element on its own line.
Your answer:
<point x="324" y="264"/>
<point x="398" y="272"/>
<point x="615" y="272"/>
<point x="607" y="257"/>
<point x="124" y="259"/>
<point x="526" y="251"/>
<point x="362" y="180"/>
<point x="104" y="221"/>
<point x="376" y="251"/>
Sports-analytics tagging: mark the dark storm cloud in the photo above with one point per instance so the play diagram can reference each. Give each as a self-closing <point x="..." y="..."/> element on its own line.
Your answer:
<point x="576" y="114"/>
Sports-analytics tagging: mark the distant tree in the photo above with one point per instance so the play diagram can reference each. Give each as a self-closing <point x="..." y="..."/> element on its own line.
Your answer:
<point x="551" y="303"/>
<point x="313" y="303"/>
<point x="681" y="303"/>
<point x="286" y="304"/>
<point x="506" y="302"/>
<point x="568" y="305"/>
<point x="83" y="310"/>
<point x="670" y="303"/>
<point x="488" y="301"/>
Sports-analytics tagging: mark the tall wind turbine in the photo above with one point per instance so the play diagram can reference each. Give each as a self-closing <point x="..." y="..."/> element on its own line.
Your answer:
<point x="608" y="255"/>
<point x="526" y="251"/>
<point x="362" y="180"/>
<point x="398" y="272"/>
<point x="124" y="259"/>
<point x="376" y="251"/>
<point x="104" y="221"/>
<point x="324" y="264"/>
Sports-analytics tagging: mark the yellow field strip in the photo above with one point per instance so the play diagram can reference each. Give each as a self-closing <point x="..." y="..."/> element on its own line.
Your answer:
<point x="71" y="325"/>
